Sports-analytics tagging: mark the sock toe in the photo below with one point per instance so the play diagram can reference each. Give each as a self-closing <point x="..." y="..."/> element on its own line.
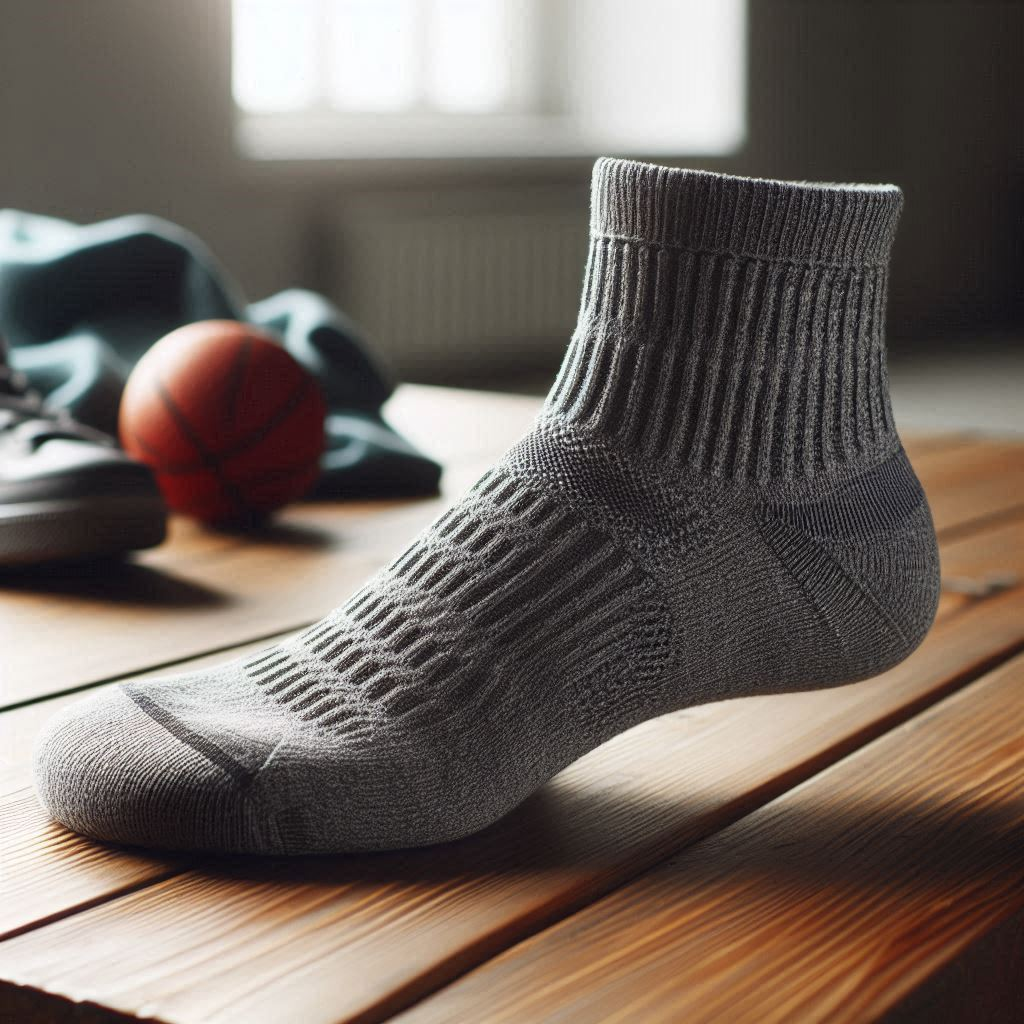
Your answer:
<point x="110" y="770"/>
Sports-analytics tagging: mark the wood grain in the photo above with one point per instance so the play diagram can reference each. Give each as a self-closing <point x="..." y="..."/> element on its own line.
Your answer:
<point x="983" y="982"/>
<point x="971" y="482"/>
<point x="344" y="939"/>
<point x="981" y="563"/>
<point x="832" y="903"/>
<point x="990" y="556"/>
<point x="49" y="872"/>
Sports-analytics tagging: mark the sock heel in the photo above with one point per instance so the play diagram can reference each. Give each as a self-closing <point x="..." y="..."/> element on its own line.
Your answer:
<point x="866" y="558"/>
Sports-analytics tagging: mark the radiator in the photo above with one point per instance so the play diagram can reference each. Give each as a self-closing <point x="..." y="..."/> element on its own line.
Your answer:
<point x="465" y="284"/>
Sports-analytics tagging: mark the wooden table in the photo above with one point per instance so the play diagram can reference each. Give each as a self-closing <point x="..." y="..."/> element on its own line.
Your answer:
<point x="842" y="855"/>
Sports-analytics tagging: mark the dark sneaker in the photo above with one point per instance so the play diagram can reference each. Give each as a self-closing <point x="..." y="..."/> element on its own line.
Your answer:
<point x="67" y="491"/>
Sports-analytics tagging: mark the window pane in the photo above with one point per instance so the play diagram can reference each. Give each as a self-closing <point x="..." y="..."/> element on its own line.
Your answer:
<point x="273" y="44"/>
<point x="677" y="90"/>
<point x="373" y="58"/>
<point x="469" y="54"/>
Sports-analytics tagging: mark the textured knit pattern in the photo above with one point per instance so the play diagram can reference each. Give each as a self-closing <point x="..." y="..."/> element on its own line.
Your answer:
<point x="734" y="327"/>
<point x="713" y="503"/>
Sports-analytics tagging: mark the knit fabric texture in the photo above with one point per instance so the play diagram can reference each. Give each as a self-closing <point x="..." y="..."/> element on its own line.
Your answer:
<point x="713" y="503"/>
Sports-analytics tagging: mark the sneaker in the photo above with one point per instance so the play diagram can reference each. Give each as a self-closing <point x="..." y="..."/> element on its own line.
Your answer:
<point x="67" y="492"/>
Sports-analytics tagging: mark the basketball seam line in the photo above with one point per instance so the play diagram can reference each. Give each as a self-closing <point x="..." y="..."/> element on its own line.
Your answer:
<point x="231" y="492"/>
<point x="292" y="403"/>
<point x="176" y="468"/>
<point x="214" y="462"/>
<point x="171" y="469"/>
<point x="238" y="368"/>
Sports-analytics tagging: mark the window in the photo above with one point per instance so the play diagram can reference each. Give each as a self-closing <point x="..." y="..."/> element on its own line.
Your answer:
<point x="391" y="78"/>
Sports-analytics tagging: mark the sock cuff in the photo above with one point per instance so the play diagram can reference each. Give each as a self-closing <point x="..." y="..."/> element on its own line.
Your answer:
<point x="732" y="325"/>
<point x="812" y="223"/>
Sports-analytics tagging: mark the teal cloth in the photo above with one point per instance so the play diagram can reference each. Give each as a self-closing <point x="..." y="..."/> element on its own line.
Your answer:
<point x="79" y="304"/>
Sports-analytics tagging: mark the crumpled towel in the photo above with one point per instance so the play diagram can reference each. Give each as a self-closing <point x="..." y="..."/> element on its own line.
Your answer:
<point x="81" y="303"/>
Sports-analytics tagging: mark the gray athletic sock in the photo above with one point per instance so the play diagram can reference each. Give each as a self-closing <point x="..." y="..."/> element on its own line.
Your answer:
<point x="713" y="503"/>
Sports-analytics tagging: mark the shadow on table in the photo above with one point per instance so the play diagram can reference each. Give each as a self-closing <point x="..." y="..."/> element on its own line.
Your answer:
<point x="113" y="581"/>
<point x="594" y="841"/>
<point x="283" y="534"/>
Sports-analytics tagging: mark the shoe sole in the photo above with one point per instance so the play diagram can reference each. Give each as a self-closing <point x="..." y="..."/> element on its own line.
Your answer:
<point x="77" y="528"/>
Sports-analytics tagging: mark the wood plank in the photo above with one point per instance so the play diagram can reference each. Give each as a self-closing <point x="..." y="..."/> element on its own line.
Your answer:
<point x="187" y="598"/>
<point x="832" y="903"/>
<point x="344" y="939"/>
<point x="462" y="425"/>
<point x="972" y="482"/>
<point x="984" y="982"/>
<point x="916" y="444"/>
<point x="981" y="564"/>
<point x="47" y="871"/>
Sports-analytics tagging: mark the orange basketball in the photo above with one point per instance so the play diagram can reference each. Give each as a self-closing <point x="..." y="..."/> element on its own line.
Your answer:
<point x="230" y="423"/>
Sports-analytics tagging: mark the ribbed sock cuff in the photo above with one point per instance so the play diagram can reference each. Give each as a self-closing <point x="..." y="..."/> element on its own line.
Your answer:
<point x="733" y="326"/>
<point x="833" y="225"/>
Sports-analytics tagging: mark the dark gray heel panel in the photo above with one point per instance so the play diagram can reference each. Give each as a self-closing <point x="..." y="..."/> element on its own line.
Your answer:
<point x="902" y="572"/>
<point x="866" y="556"/>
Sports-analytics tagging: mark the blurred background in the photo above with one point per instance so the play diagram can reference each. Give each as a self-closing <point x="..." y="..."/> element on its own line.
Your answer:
<point x="425" y="163"/>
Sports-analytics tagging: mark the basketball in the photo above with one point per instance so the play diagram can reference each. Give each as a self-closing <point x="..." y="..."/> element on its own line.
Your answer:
<point x="230" y="423"/>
